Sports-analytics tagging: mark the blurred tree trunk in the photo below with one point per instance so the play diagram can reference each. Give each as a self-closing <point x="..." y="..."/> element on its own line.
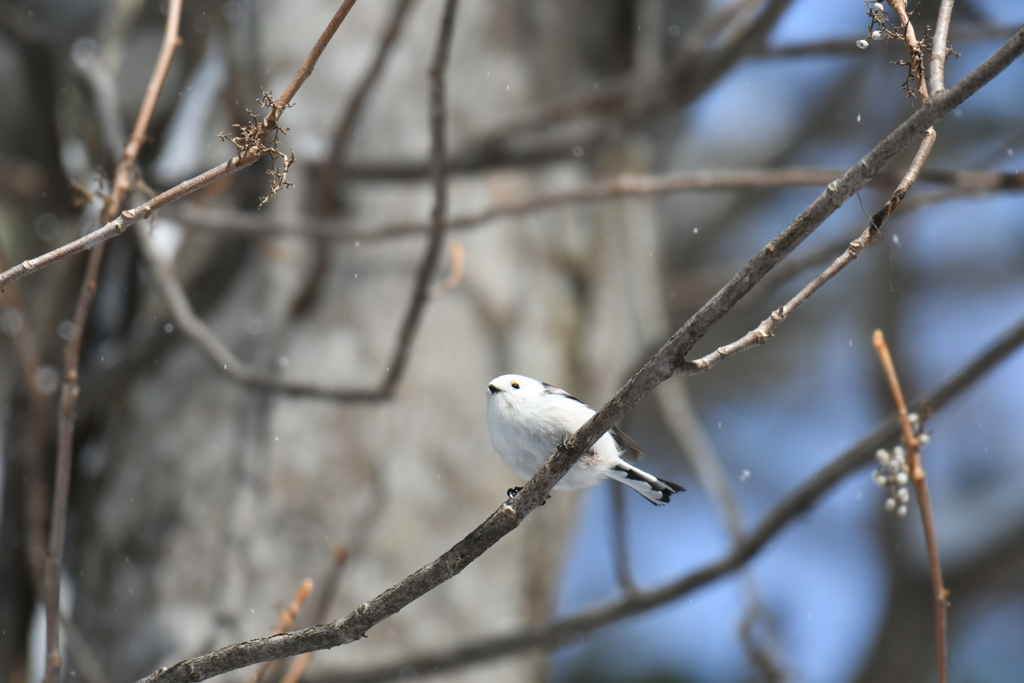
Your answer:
<point x="206" y="503"/>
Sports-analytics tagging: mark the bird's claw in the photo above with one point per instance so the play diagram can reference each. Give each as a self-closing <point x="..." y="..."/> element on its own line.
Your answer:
<point x="514" y="491"/>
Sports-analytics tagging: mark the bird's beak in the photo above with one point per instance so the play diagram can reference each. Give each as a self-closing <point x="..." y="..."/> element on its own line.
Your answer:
<point x="493" y="389"/>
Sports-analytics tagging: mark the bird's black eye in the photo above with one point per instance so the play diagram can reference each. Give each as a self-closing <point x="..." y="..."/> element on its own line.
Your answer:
<point x="515" y="385"/>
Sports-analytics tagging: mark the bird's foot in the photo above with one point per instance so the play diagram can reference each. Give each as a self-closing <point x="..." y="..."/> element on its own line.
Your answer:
<point x="514" y="491"/>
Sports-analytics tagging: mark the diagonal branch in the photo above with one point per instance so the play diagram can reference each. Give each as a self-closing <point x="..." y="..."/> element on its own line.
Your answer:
<point x="670" y="360"/>
<point x="766" y="330"/>
<point x="224" y="358"/>
<point x="285" y="100"/>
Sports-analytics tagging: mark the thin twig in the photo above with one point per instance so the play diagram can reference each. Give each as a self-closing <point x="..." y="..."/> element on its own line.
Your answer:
<point x="346" y="127"/>
<point x="940" y="51"/>
<point x="920" y="482"/>
<point x="285" y="100"/>
<point x="323" y="193"/>
<point x="224" y="359"/>
<point x="766" y="330"/>
<point x="246" y="157"/>
<point x="666" y="363"/>
<point x="554" y="634"/>
<point x="330" y="587"/>
<point x="73" y="349"/>
<point x="915" y="50"/>
<point x="285" y="621"/>
<point x="626" y="185"/>
<point x="439" y="173"/>
<point x="456" y="271"/>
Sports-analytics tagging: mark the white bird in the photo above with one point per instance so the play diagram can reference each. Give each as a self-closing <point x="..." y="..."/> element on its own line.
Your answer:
<point x="529" y="419"/>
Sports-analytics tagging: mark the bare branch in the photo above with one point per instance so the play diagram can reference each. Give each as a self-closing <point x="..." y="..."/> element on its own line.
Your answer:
<point x="766" y="330"/>
<point x="284" y="101"/>
<point x="914" y="49"/>
<point x="323" y="193"/>
<point x="73" y="349"/>
<point x="285" y="621"/>
<point x="910" y="439"/>
<point x="937" y="63"/>
<point x="229" y="363"/>
<point x="224" y="359"/>
<point x="439" y="173"/>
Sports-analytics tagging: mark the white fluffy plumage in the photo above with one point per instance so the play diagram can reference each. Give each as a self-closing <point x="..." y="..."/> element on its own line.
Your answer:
<point x="528" y="419"/>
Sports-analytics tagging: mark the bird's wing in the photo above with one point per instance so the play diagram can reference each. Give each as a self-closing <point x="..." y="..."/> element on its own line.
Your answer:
<point x="632" y="450"/>
<point x="560" y="392"/>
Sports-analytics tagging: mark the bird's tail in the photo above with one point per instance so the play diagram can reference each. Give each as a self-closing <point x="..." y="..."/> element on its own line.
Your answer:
<point x="656" y="490"/>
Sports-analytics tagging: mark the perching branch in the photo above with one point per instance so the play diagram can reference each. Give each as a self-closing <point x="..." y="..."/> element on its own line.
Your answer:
<point x="670" y="360"/>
